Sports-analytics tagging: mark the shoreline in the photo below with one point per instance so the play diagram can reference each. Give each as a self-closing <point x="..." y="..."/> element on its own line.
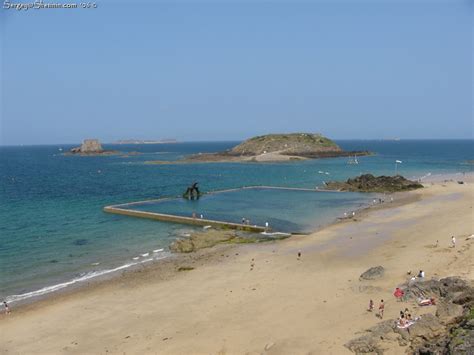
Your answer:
<point x="213" y="308"/>
<point x="108" y="275"/>
<point x="179" y="259"/>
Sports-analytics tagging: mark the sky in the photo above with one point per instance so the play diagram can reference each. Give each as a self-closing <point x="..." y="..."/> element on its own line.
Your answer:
<point x="229" y="70"/>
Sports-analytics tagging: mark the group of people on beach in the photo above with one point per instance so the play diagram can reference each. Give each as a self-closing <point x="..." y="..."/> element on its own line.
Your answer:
<point x="405" y="318"/>
<point x="381" y="308"/>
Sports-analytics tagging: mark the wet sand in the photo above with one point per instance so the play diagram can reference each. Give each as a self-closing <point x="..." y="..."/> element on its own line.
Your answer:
<point x="260" y="298"/>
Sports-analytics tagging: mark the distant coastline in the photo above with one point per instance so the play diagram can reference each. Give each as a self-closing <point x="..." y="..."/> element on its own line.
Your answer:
<point x="139" y="141"/>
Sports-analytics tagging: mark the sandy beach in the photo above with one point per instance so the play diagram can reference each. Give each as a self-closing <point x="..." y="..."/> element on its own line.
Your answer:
<point x="254" y="299"/>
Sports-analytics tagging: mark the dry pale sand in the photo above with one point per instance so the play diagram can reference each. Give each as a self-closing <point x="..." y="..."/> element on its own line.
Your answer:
<point x="281" y="305"/>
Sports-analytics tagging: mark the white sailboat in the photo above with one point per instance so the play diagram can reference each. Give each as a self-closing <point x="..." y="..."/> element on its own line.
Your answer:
<point x="353" y="161"/>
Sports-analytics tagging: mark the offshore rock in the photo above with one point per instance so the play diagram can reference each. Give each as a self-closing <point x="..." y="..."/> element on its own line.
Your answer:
<point x="91" y="147"/>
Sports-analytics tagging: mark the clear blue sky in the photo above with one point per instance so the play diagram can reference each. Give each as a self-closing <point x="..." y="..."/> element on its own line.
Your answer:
<point x="229" y="70"/>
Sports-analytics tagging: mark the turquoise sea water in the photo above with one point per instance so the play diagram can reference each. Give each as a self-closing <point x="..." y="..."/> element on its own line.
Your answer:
<point x="53" y="230"/>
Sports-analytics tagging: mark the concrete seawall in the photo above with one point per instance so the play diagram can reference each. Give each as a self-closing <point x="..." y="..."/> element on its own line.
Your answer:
<point x="184" y="220"/>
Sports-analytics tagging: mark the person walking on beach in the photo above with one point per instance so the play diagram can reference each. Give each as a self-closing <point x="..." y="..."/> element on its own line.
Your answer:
<point x="371" y="306"/>
<point x="7" y="309"/>
<point x="381" y="309"/>
<point x="453" y="241"/>
<point x="299" y="254"/>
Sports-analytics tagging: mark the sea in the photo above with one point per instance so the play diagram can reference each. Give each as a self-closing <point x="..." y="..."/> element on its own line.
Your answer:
<point x="54" y="233"/>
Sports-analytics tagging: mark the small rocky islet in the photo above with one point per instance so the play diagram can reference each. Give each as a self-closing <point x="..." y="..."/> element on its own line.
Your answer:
<point x="93" y="147"/>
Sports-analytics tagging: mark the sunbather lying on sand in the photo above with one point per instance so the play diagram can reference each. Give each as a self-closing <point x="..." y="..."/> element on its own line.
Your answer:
<point x="426" y="301"/>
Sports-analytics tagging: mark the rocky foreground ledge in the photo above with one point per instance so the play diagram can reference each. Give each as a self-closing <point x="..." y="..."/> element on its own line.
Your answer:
<point x="209" y="238"/>
<point x="449" y="331"/>
<point x="371" y="183"/>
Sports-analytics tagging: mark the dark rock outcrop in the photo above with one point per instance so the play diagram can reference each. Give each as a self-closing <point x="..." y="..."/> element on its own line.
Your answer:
<point x="450" y="288"/>
<point x="370" y="183"/>
<point x="448" y="312"/>
<point x="450" y="331"/>
<point x="373" y="273"/>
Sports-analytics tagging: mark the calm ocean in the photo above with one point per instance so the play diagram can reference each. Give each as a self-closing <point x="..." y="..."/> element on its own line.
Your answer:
<point x="53" y="232"/>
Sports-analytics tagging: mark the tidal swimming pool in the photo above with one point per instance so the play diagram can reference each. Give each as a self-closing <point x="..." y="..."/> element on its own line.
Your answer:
<point x="285" y="210"/>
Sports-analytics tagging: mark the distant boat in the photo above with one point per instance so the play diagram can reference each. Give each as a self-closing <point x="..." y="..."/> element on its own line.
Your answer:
<point x="60" y="149"/>
<point x="353" y="161"/>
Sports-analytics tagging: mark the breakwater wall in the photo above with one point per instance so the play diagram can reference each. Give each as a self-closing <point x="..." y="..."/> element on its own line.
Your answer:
<point x="183" y="220"/>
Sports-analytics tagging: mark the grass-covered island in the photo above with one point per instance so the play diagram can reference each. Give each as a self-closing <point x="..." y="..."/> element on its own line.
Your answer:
<point x="276" y="147"/>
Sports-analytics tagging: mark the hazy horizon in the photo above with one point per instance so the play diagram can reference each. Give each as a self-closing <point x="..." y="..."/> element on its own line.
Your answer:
<point x="203" y="71"/>
<point x="240" y="140"/>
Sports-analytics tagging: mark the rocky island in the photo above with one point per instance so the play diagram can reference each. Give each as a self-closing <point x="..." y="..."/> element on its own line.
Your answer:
<point x="276" y="147"/>
<point x="370" y="183"/>
<point x="91" y="147"/>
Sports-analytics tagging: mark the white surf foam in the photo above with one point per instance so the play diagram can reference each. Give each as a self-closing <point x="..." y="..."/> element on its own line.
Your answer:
<point x="157" y="250"/>
<point x="82" y="278"/>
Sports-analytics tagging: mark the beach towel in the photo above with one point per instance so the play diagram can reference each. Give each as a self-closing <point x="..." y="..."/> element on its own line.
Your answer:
<point x="426" y="302"/>
<point x="406" y="325"/>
